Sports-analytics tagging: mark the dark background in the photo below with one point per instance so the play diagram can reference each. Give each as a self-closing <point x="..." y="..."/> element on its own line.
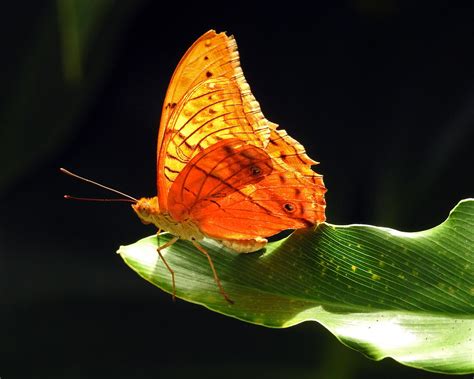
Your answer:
<point x="380" y="92"/>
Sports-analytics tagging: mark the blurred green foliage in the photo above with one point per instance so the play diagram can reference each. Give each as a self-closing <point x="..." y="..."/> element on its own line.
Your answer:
<point x="63" y="60"/>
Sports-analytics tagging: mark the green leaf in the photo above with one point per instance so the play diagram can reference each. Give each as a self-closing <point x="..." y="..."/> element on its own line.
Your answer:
<point x="383" y="292"/>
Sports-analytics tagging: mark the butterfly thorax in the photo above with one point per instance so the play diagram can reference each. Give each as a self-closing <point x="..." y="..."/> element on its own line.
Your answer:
<point x="149" y="212"/>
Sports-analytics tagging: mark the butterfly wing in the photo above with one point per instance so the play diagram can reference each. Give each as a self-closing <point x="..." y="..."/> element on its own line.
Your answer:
<point x="234" y="190"/>
<point x="292" y="156"/>
<point x="208" y="100"/>
<point x="279" y="202"/>
<point x="217" y="172"/>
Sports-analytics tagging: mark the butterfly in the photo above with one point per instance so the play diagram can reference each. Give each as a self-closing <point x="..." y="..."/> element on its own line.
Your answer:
<point x="224" y="171"/>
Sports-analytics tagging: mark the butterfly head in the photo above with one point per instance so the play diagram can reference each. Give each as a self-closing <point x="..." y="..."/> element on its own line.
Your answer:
<point x="147" y="208"/>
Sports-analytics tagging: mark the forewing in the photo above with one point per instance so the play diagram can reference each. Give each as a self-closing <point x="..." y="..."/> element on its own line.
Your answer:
<point x="208" y="100"/>
<point x="291" y="155"/>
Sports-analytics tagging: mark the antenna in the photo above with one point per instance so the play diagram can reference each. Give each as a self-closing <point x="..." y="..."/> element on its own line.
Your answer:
<point x="69" y="197"/>
<point x="63" y="170"/>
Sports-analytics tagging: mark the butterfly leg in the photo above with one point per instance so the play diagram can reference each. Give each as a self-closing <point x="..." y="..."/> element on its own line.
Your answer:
<point x="216" y="278"/>
<point x="158" y="250"/>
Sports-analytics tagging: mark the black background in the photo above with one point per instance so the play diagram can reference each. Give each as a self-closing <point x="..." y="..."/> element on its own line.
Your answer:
<point x="380" y="92"/>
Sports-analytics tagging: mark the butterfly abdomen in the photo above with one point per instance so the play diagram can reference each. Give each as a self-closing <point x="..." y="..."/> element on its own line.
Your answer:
<point x="244" y="246"/>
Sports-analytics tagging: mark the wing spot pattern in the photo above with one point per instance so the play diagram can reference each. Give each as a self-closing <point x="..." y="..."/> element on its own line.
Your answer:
<point x="192" y="118"/>
<point x="219" y="195"/>
<point x="228" y="149"/>
<point x="255" y="170"/>
<point x="289" y="207"/>
<point x="171" y="170"/>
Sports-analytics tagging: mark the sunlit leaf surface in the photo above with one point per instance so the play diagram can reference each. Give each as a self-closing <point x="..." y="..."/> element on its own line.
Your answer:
<point x="409" y="296"/>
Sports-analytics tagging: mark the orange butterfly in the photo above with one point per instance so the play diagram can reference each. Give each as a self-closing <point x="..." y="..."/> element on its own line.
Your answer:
<point x="224" y="171"/>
